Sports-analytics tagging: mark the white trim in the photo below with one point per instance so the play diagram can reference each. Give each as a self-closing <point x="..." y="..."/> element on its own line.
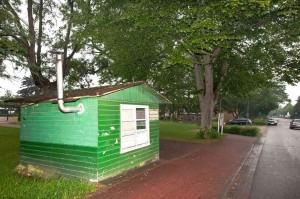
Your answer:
<point x="137" y="134"/>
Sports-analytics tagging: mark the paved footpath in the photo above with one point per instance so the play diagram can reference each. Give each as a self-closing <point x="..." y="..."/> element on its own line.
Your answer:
<point x="9" y="125"/>
<point x="185" y="170"/>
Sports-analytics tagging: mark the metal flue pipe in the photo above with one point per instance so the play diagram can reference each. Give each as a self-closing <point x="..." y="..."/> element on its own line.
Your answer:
<point x="60" y="91"/>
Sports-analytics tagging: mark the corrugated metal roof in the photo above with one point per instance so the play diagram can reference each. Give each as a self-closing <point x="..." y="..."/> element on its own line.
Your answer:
<point x="75" y="94"/>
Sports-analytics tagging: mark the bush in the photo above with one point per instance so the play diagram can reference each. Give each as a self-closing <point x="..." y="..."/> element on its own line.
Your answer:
<point x="242" y="130"/>
<point x="259" y="122"/>
<point x="213" y="134"/>
<point x="200" y="135"/>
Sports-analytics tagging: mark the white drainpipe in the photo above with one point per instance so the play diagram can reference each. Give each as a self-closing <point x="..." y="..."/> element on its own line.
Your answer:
<point x="60" y="90"/>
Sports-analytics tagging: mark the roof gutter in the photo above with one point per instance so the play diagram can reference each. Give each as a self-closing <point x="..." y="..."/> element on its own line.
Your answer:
<point x="60" y="91"/>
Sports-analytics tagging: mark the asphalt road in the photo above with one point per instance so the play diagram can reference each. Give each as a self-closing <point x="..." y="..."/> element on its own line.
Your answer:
<point x="277" y="175"/>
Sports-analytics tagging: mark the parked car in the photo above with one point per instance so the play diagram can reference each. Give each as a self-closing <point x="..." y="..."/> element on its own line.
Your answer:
<point x="295" y="123"/>
<point x="241" y="121"/>
<point x="272" y="122"/>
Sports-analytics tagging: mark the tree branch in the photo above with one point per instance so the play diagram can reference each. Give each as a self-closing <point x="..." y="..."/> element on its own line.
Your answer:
<point x="19" y="40"/>
<point x="224" y="70"/>
<point x="17" y="19"/>
<point x="198" y="73"/>
<point x="76" y="48"/>
<point x="67" y="40"/>
<point x="15" y="14"/>
<point x="40" y="34"/>
<point x="215" y="55"/>
<point x="31" y="33"/>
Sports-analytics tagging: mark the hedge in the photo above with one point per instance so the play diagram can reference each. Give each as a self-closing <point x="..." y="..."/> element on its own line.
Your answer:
<point x="241" y="130"/>
<point x="259" y="122"/>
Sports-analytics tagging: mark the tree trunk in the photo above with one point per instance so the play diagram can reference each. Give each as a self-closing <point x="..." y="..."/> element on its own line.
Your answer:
<point x="205" y="87"/>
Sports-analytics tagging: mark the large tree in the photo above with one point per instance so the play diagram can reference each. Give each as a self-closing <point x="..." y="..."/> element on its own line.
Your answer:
<point x="232" y="46"/>
<point x="27" y="34"/>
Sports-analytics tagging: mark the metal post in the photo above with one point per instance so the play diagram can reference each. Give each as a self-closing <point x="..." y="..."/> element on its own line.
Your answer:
<point x="60" y="88"/>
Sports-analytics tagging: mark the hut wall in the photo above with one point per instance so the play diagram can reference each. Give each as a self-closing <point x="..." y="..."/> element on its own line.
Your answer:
<point x="65" y="143"/>
<point x="110" y="159"/>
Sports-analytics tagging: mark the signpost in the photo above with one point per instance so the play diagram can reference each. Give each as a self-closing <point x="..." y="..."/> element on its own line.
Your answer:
<point x="220" y="123"/>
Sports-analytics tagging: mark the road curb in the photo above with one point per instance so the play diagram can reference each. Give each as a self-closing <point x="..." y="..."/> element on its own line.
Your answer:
<point x="240" y="185"/>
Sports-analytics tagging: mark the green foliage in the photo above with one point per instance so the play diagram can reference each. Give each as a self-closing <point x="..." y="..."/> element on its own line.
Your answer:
<point x="7" y="95"/>
<point x="241" y="130"/>
<point x="259" y="102"/>
<point x="213" y="134"/>
<point x="282" y="111"/>
<point x="28" y="88"/>
<point x="25" y="38"/>
<point x="13" y="185"/>
<point x="143" y="40"/>
<point x="200" y="135"/>
<point x="296" y="110"/>
<point x="258" y="122"/>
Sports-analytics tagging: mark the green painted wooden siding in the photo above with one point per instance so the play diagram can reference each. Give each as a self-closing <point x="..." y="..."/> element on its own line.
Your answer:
<point x="69" y="160"/>
<point x="43" y="122"/>
<point x="86" y="145"/>
<point x="140" y="93"/>
<point x="110" y="161"/>
<point x="64" y="142"/>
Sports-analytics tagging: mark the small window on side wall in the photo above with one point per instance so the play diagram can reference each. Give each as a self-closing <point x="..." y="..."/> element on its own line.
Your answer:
<point x="134" y="130"/>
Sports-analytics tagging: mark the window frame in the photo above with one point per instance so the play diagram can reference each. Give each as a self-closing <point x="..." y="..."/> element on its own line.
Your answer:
<point x="135" y="134"/>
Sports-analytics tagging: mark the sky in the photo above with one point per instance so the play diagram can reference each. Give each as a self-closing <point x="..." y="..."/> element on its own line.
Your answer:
<point x="14" y="84"/>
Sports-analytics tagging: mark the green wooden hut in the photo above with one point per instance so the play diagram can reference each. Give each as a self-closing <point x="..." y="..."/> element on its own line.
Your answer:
<point x="118" y="130"/>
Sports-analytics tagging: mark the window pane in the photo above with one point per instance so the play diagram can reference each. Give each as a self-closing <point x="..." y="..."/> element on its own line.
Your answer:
<point x="128" y="126"/>
<point x="140" y="113"/>
<point x="127" y="114"/>
<point x="141" y="124"/>
<point x="128" y="142"/>
<point x="142" y="138"/>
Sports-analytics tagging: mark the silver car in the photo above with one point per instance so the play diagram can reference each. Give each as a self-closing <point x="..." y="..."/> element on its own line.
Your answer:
<point x="272" y="122"/>
<point x="295" y="124"/>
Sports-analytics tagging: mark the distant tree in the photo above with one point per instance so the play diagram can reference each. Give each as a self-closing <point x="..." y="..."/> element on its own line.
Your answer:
<point x="282" y="111"/>
<point x="288" y="108"/>
<point x="28" y="88"/>
<point x="234" y="105"/>
<point x="257" y="104"/>
<point x="7" y="95"/>
<point x="296" y="110"/>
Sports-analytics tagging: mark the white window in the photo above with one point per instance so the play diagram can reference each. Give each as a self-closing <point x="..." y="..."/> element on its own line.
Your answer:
<point x="134" y="127"/>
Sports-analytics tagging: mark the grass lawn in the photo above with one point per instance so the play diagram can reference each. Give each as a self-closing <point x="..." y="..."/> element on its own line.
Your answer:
<point x="179" y="131"/>
<point x="12" y="185"/>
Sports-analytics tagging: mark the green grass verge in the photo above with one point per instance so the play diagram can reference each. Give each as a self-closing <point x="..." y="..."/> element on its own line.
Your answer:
<point x="12" y="185"/>
<point x="179" y="131"/>
<point x="188" y="131"/>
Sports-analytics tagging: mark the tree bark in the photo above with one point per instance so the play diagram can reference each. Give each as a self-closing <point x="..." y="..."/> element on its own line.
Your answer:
<point x="40" y="34"/>
<point x="31" y="52"/>
<point x="207" y="95"/>
<point x="35" y="69"/>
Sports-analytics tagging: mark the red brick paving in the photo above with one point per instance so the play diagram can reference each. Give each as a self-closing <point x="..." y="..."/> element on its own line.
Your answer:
<point x="189" y="171"/>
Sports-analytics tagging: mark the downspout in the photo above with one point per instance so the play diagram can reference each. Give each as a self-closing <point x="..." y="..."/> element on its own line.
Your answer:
<point x="60" y="91"/>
